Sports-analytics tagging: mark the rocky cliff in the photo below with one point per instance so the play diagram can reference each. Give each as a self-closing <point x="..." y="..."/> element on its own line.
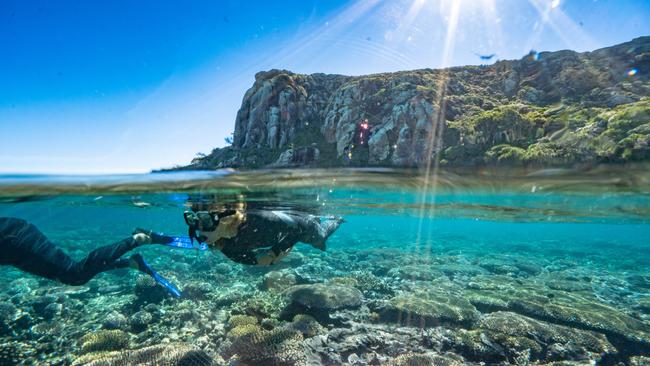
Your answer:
<point x="549" y="108"/>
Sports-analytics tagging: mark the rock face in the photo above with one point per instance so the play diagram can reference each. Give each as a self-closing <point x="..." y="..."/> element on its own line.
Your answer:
<point x="550" y="108"/>
<point x="280" y="105"/>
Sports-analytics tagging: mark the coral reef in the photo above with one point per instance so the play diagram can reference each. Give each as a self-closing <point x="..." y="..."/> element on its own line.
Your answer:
<point x="160" y="355"/>
<point x="277" y="347"/>
<point x="419" y="359"/>
<point x="104" y="340"/>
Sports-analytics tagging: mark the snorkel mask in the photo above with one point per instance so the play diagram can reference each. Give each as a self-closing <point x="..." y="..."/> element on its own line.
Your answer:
<point x="200" y="221"/>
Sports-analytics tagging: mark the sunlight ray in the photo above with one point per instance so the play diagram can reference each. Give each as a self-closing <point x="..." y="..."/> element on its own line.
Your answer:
<point x="562" y="25"/>
<point x="431" y="168"/>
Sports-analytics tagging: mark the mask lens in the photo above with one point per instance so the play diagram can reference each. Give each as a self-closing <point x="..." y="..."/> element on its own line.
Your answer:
<point x="207" y="222"/>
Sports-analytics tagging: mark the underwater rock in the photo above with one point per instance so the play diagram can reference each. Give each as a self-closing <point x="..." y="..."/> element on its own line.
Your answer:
<point x="140" y="321"/>
<point x="319" y="300"/>
<point x="7" y="311"/>
<point x="39" y="303"/>
<point x="574" y="309"/>
<point x="104" y="340"/>
<point x="529" y="268"/>
<point x="313" y="272"/>
<point x="517" y="335"/>
<point x="197" y="291"/>
<point x="115" y="320"/>
<point x="171" y="354"/>
<point x="459" y="269"/>
<point x="498" y="266"/>
<point x="354" y="360"/>
<point x="639" y="281"/>
<point x="51" y="311"/>
<point x="643" y="304"/>
<point x="306" y="324"/>
<point x="427" y="310"/>
<point x="415" y="272"/>
<point x="148" y="291"/>
<point x="568" y="286"/>
<point x="278" y="280"/>
<point x="23" y="321"/>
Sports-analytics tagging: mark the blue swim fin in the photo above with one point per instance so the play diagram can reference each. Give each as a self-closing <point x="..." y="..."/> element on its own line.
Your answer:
<point x="142" y="266"/>
<point x="185" y="242"/>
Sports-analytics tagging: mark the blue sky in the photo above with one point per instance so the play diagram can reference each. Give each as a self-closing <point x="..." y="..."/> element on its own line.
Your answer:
<point x="130" y="86"/>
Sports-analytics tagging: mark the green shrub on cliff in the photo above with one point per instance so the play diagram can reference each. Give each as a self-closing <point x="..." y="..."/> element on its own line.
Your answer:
<point x="509" y="124"/>
<point x="635" y="147"/>
<point x="505" y="154"/>
<point x="626" y="117"/>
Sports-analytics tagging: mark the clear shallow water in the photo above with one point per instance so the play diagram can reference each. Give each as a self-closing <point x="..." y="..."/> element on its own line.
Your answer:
<point x="565" y="248"/>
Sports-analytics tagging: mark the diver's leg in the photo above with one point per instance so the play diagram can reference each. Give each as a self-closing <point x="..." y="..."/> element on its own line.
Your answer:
<point x="108" y="257"/>
<point x="104" y="259"/>
<point x="26" y="248"/>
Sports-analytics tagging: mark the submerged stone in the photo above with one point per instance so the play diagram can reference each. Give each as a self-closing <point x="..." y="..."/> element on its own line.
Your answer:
<point x="575" y="309"/>
<point x="513" y="338"/>
<point x="148" y="291"/>
<point x="326" y="297"/>
<point x="140" y="321"/>
<point x="428" y="310"/>
<point x="319" y="300"/>
<point x="278" y="280"/>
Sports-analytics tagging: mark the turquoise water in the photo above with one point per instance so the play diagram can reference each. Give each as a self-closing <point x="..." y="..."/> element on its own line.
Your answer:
<point x="462" y="268"/>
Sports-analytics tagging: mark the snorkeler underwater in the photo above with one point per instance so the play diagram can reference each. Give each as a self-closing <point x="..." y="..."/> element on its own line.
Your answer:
<point x="325" y="183"/>
<point x="241" y="236"/>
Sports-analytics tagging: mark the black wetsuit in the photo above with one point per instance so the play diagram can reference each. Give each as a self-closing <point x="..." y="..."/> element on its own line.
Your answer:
<point x="23" y="246"/>
<point x="278" y="231"/>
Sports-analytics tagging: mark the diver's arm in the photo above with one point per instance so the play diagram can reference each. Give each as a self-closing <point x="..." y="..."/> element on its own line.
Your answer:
<point x="240" y="256"/>
<point x="273" y="255"/>
<point x="153" y="237"/>
<point x="259" y="257"/>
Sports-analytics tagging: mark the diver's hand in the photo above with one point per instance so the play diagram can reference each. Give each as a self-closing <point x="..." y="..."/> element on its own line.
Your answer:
<point x="154" y="238"/>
